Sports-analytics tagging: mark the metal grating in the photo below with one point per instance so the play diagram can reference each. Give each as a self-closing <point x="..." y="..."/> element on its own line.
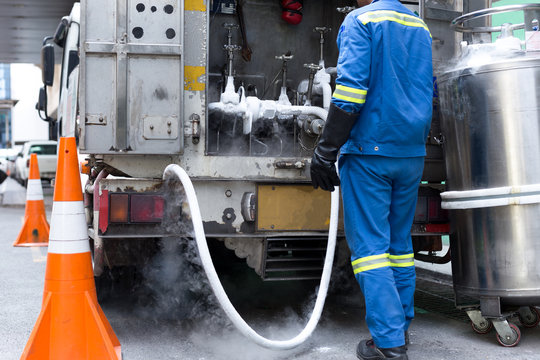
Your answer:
<point x="436" y="295"/>
<point x="293" y="258"/>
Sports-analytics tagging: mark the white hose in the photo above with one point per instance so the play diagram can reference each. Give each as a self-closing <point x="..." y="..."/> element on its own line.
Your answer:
<point x="175" y="170"/>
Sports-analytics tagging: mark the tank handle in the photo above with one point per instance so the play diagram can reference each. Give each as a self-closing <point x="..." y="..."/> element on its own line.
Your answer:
<point x="531" y="13"/>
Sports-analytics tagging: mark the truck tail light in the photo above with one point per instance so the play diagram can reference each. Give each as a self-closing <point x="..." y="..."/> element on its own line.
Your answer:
<point x="118" y="208"/>
<point x="147" y="208"/>
<point x="438" y="228"/>
<point x="136" y="208"/>
<point x="28" y="163"/>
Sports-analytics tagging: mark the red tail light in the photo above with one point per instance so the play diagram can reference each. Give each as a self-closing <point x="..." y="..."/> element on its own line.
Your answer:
<point x="136" y="208"/>
<point x="147" y="208"/>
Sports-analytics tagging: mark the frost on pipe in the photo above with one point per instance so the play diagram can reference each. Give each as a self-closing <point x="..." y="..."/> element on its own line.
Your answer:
<point x="174" y="170"/>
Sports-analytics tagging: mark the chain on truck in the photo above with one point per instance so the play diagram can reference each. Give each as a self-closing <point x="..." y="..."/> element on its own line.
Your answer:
<point x="237" y="94"/>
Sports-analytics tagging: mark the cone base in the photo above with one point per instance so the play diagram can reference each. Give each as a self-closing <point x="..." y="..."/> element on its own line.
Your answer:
<point x="72" y="326"/>
<point x="35" y="232"/>
<point x="31" y="244"/>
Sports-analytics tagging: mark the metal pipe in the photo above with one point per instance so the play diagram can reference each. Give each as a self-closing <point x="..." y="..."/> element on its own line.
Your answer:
<point x="99" y="253"/>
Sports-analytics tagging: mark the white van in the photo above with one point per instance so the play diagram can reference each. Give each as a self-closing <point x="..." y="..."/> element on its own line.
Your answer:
<point x="46" y="153"/>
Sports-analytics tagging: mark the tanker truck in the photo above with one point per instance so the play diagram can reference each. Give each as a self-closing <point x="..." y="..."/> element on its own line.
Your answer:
<point x="236" y="93"/>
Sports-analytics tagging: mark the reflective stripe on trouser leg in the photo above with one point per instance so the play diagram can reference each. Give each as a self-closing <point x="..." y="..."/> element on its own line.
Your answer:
<point x="367" y="187"/>
<point x="370" y="262"/>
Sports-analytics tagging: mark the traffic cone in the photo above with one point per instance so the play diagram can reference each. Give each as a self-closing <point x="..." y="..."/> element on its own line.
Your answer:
<point x="35" y="230"/>
<point x="71" y="324"/>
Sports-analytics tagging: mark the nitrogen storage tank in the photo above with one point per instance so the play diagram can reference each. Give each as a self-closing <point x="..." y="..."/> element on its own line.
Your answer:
<point x="491" y="126"/>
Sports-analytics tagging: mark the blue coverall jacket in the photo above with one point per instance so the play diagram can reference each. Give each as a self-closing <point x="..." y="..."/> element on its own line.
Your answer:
<point x="393" y="94"/>
<point x="385" y="76"/>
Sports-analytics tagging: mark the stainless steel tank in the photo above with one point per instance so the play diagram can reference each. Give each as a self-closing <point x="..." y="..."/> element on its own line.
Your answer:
<point x="491" y="126"/>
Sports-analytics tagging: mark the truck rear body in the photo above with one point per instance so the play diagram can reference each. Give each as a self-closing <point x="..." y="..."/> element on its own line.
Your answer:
<point x="152" y="86"/>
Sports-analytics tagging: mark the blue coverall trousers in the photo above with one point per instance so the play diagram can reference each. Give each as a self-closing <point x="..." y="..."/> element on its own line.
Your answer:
<point x="379" y="199"/>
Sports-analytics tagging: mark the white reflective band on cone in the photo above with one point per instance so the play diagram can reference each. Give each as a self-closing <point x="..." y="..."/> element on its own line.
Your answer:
<point x="68" y="234"/>
<point x="34" y="190"/>
<point x="69" y="247"/>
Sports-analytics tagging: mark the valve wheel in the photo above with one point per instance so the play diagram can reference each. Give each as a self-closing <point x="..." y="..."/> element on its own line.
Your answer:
<point x="510" y="340"/>
<point x="532" y="320"/>
<point x="483" y="328"/>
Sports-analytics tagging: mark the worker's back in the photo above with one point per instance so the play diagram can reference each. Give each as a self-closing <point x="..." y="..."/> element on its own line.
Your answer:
<point x="396" y="72"/>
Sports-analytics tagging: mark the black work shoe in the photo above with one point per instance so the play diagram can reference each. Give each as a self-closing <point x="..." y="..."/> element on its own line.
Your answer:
<point x="367" y="350"/>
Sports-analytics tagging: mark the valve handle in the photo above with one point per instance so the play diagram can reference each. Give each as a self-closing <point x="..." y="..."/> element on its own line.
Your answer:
<point x="313" y="67"/>
<point x="345" y="9"/>
<point x="322" y="29"/>
<point x="284" y="57"/>
<point x="230" y="26"/>
<point x="232" y="47"/>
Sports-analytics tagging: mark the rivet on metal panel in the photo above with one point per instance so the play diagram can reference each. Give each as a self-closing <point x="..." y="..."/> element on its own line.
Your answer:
<point x="194" y="5"/>
<point x="151" y="127"/>
<point x="228" y="193"/>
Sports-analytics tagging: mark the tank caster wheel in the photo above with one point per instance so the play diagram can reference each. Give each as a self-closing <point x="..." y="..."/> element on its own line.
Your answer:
<point x="512" y="340"/>
<point x="530" y="317"/>
<point x="483" y="327"/>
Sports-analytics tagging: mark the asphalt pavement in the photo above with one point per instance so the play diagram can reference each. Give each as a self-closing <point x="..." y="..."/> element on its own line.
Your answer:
<point x="160" y="321"/>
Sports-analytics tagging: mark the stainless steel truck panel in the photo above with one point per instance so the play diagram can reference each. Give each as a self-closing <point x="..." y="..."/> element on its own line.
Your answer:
<point x="132" y="71"/>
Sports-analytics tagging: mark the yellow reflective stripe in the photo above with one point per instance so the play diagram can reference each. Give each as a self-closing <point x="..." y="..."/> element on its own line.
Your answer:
<point x="370" y="267"/>
<point x="402" y="264"/>
<point x="350" y="94"/>
<point x="402" y="22"/>
<point x="348" y="98"/>
<point x="370" y="262"/>
<point x="401" y="256"/>
<point x="368" y="258"/>
<point x="388" y="15"/>
<point x="401" y="260"/>
<point x="351" y="90"/>
<point x="366" y="17"/>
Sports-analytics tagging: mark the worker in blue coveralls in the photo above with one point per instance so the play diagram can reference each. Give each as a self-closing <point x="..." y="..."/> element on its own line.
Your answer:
<point x="380" y="117"/>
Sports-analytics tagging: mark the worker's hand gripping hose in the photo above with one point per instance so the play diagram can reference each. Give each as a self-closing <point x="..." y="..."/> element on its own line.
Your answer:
<point x="173" y="171"/>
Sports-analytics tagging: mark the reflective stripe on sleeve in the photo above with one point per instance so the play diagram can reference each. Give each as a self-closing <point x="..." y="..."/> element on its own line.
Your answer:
<point x="388" y="15"/>
<point x="370" y="262"/>
<point x="346" y="93"/>
<point x="401" y="260"/>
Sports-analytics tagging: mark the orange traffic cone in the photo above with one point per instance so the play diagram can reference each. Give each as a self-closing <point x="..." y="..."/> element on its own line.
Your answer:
<point x="71" y="324"/>
<point x="35" y="230"/>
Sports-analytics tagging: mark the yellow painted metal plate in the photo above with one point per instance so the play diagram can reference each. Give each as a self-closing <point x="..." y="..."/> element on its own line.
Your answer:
<point x="194" y="5"/>
<point x="194" y="78"/>
<point x="292" y="208"/>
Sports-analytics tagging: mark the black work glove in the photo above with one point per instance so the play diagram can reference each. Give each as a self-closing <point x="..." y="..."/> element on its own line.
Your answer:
<point x="323" y="173"/>
<point x="335" y="133"/>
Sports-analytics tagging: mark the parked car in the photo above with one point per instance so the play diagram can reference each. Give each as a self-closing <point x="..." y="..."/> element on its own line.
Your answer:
<point x="46" y="153"/>
<point x="7" y="160"/>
